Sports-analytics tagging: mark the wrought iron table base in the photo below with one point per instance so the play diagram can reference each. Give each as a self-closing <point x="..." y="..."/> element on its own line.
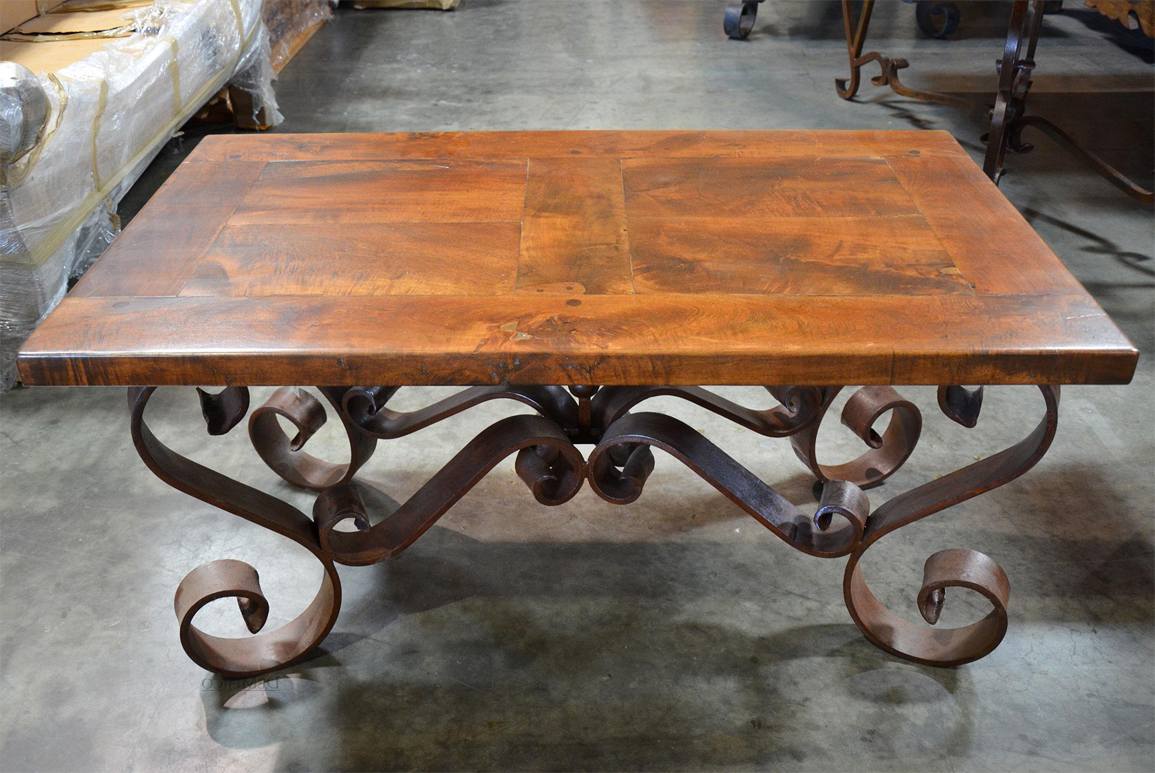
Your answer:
<point x="550" y="464"/>
<point x="1008" y="115"/>
<point x="937" y="19"/>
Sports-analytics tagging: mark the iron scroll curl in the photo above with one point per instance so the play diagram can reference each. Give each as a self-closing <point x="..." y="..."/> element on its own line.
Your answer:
<point x="549" y="463"/>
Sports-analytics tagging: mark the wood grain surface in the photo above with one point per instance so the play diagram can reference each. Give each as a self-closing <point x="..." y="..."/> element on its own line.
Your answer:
<point x="578" y="258"/>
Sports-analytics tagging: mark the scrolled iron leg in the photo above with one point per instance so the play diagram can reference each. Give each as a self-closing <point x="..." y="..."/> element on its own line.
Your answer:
<point x="949" y="568"/>
<point x="267" y="650"/>
<point x="1014" y="82"/>
<point x="855" y="38"/>
<point x="547" y="461"/>
<point x="620" y="464"/>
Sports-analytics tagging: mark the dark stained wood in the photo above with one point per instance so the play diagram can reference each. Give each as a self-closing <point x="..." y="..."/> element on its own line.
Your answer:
<point x="990" y="242"/>
<point x="153" y="254"/>
<point x="546" y="144"/>
<point x="579" y="258"/>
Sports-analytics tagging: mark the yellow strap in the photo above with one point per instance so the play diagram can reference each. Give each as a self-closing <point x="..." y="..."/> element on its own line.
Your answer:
<point x="175" y="71"/>
<point x="240" y="28"/>
<point x="49" y="37"/>
<point x="101" y="104"/>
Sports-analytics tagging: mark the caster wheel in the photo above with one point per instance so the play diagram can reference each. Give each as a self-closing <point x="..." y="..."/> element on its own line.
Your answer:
<point x="939" y="20"/>
<point x="739" y="20"/>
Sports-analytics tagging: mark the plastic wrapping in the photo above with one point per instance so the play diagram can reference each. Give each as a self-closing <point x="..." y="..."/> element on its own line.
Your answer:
<point x="108" y="115"/>
<point x="23" y="112"/>
<point x="254" y="76"/>
<point x="289" y="21"/>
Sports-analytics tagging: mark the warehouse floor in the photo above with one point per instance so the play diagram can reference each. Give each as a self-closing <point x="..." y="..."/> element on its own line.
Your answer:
<point x="675" y="633"/>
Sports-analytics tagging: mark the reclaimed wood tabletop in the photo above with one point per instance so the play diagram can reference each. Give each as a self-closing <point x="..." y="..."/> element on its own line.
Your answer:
<point x="623" y="257"/>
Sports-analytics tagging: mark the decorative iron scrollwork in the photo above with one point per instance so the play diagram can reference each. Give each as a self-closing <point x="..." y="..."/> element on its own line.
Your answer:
<point x="888" y="451"/>
<point x="950" y="568"/>
<point x="549" y="463"/>
<point x="266" y="650"/>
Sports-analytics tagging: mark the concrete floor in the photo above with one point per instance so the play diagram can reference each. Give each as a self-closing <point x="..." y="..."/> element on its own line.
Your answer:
<point x="672" y="634"/>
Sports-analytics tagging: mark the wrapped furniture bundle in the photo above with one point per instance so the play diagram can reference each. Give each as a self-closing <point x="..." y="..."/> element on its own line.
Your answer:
<point x="83" y="112"/>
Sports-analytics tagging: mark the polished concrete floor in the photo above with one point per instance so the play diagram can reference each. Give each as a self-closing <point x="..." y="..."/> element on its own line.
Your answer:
<point x="675" y="633"/>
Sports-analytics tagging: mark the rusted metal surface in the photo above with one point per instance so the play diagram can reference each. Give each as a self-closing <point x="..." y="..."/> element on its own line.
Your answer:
<point x="856" y="40"/>
<point x="553" y="469"/>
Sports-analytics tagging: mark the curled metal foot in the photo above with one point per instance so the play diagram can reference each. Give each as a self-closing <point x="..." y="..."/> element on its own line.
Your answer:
<point x="263" y="652"/>
<point x="957" y="568"/>
<point x="267" y="650"/>
<point x="949" y="568"/>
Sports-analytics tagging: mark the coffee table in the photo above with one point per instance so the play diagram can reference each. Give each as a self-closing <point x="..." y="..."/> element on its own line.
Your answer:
<point x="580" y="273"/>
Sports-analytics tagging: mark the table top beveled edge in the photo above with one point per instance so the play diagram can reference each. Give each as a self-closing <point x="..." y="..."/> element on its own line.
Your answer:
<point x="786" y="340"/>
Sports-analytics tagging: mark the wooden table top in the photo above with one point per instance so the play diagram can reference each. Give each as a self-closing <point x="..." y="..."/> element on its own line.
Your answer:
<point x="791" y="257"/>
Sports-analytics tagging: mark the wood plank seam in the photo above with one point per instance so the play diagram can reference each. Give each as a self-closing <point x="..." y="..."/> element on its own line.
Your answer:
<point x="521" y="235"/>
<point x="622" y="175"/>
<point x="193" y="264"/>
<point x="93" y="276"/>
